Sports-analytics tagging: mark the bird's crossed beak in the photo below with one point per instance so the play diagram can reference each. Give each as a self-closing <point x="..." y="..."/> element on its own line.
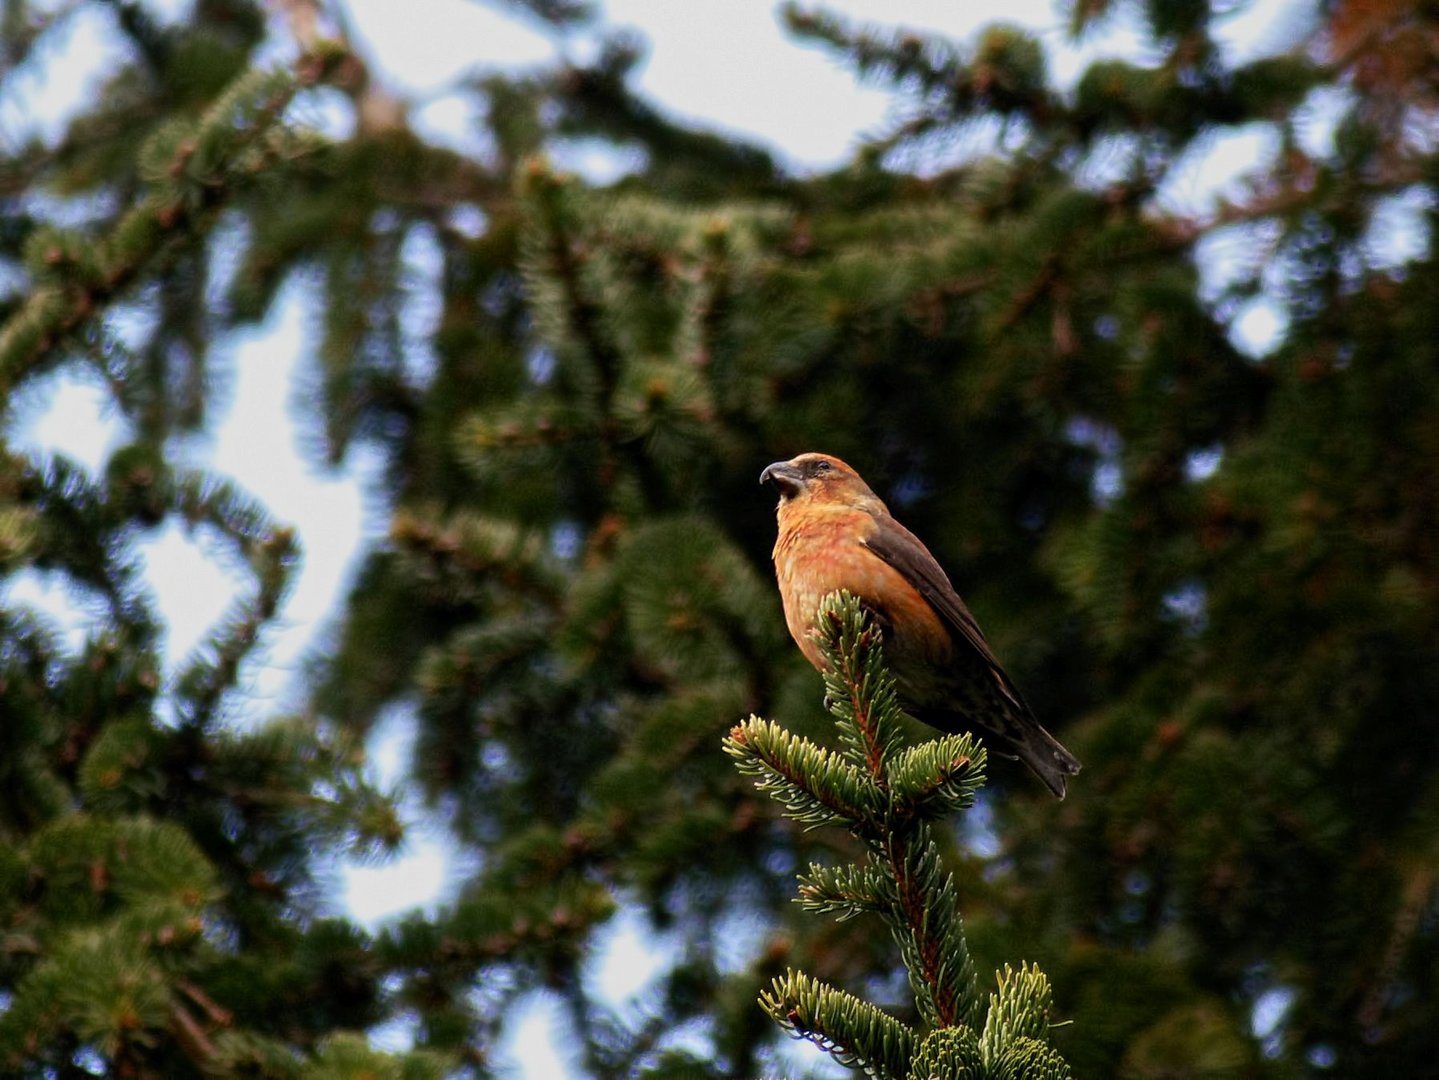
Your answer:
<point x="784" y="475"/>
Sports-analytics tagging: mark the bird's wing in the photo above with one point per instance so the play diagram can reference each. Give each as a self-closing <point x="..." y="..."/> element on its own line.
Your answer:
<point x="1017" y="728"/>
<point x="904" y="551"/>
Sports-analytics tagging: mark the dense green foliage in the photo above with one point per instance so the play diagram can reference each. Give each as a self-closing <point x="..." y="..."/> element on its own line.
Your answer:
<point x="1214" y="575"/>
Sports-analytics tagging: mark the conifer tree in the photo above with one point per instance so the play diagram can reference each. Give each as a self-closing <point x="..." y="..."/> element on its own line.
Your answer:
<point x="1210" y="566"/>
<point x="157" y="873"/>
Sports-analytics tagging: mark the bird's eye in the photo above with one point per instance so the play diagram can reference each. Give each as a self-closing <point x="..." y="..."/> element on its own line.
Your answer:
<point x="822" y="467"/>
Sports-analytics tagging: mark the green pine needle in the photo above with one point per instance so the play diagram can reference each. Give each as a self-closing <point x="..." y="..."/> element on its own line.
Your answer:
<point x="842" y="891"/>
<point x="1018" y="1010"/>
<point x="938" y="778"/>
<point x="815" y="786"/>
<point x="924" y="916"/>
<point x="1030" y="1059"/>
<point x="860" y="689"/>
<point x="854" y="1032"/>
<point x="949" y="1054"/>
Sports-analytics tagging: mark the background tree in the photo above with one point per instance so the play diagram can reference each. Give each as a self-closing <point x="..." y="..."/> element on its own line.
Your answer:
<point x="1214" y="573"/>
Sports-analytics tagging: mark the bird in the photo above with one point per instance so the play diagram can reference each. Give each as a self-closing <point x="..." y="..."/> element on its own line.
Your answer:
<point x="835" y="533"/>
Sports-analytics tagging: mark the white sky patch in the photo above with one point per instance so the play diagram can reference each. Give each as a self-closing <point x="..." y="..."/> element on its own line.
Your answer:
<point x="1259" y="328"/>
<point x="70" y="414"/>
<point x="1233" y="255"/>
<point x="977" y="827"/>
<point x="1317" y="120"/>
<point x="391" y="745"/>
<point x="467" y="219"/>
<point x="413" y="879"/>
<point x="424" y="48"/>
<point x="423" y="303"/>
<point x="740" y="936"/>
<point x="597" y="161"/>
<point x="1251" y="30"/>
<point x="454" y="121"/>
<point x="628" y="955"/>
<point x="326" y="110"/>
<point x="1269" y="1010"/>
<point x="258" y="446"/>
<point x="421" y="873"/>
<point x="1399" y="230"/>
<point x="78" y="55"/>
<point x="1215" y="166"/>
<point x="531" y="1048"/>
<point x="729" y="67"/>
<point x="255" y="446"/>
<point x="68" y="610"/>
<point x="396" y="1035"/>
<point x="1200" y="465"/>
<point x="719" y="65"/>
<point x="191" y="585"/>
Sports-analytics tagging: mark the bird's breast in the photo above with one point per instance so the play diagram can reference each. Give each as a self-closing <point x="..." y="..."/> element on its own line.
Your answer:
<point x="819" y="553"/>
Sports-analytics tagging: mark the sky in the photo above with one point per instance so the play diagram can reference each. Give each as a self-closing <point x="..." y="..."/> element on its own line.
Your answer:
<point x="723" y="64"/>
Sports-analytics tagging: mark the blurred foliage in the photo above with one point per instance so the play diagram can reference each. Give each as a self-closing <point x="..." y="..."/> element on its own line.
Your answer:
<point x="1214" y="574"/>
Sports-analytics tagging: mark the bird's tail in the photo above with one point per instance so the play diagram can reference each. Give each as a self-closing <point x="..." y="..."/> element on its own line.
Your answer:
<point x="1013" y="734"/>
<point x="1044" y="755"/>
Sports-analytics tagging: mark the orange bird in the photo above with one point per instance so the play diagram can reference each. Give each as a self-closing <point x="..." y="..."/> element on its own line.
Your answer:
<point x="835" y="533"/>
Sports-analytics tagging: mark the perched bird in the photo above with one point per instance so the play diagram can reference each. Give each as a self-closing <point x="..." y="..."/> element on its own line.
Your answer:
<point x="835" y="533"/>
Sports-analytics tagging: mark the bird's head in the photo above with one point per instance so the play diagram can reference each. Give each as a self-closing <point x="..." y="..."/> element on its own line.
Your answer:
<point x="822" y="479"/>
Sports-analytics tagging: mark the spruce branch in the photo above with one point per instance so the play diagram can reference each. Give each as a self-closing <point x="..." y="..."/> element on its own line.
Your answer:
<point x="924" y="917"/>
<point x="561" y="258"/>
<point x="939" y="777"/>
<point x="853" y="1032"/>
<point x="886" y="794"/>
<point x="270" y="552"/>
<point x="860" y="692"/>
<point x="1019" y="1009"/>
<point x="842" y="891"/>
<point x="1003" y="72"/>
<point x="72" y="524"/>
<point x="1030" y="1059"/>
<point x="466" y="546"/>
<point x="191" y="170"/>
<point x="816" y="786"/>
<point x="568" y="293"/>
<point x="949" y="1054"/>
